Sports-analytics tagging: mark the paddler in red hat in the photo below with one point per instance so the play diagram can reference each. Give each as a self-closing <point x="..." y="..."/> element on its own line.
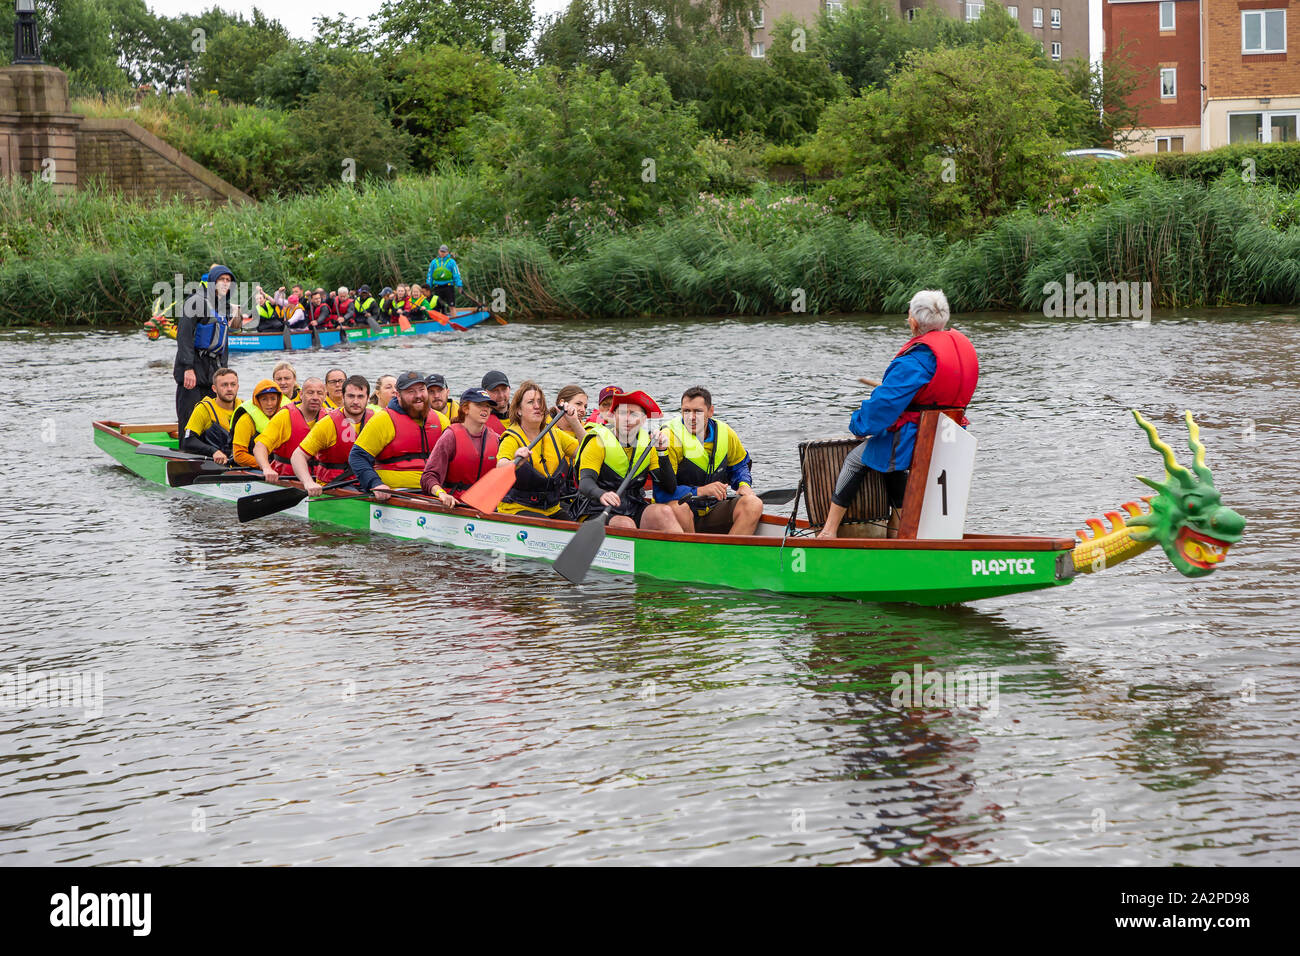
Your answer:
<point x="607" y="454"/>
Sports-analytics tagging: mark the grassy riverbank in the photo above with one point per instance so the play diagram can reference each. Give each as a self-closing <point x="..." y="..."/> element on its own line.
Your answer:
<point x="93" y="259"/>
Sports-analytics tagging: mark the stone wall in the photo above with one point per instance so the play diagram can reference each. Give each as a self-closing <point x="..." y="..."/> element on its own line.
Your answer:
<point x="123" y="155"/>
<point x="40" y="137"/>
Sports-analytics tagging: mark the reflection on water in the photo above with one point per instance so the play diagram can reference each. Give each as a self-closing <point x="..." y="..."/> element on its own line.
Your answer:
<point x="284" y="693"/>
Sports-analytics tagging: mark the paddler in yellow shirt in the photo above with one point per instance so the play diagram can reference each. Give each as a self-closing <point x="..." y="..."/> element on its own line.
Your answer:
<point x="208" y="430"/>
<point x="544" y="480"/>
<point x="606" y="456"/>
<point x="391" y="450"/>
<point x="251" y="419"/>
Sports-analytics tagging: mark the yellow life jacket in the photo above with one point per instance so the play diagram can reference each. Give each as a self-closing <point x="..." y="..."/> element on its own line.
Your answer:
<point x="696" y="467"/>
<point x="616" y="464"/>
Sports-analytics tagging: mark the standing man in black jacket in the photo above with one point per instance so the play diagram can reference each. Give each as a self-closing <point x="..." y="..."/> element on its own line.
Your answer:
<point x="201" y="342"/>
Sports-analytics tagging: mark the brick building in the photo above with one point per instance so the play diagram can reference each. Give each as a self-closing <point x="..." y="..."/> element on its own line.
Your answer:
<point x="1066" y="28"/>
<point x="1214" y="72"/>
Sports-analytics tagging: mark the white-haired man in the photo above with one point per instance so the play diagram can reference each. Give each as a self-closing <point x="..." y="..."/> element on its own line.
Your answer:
<point x="935" y="369"/>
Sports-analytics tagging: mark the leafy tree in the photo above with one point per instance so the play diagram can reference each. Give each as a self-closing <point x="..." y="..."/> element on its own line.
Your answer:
<point x="231" y="56"/>
<point x="1111" y="116"/>
<point x="582" y="136"/>
<point x="866" y="39"/>
<point x="346" y="131"/>
<point x="781" y="97"/>
<point x="436" y="90"/>
<point x="961" y="135"/>
<point x="73" y="38"/>
<point x="403" y="23"/>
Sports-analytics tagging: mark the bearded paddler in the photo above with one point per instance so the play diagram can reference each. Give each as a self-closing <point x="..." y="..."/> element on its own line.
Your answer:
<point x="936" y="369"/>
<point x="330" y="441"/>
<point x="607" y="454"/>
<point x="202" y="337"/>
<point x="285" y="432"/>
<point x="208" y="430"/>
<point x="708" y="459"/>
<point x="392" y="449"/>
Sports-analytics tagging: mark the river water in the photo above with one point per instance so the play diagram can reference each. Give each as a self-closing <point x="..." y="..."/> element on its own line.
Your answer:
<point x="274" y="693"/>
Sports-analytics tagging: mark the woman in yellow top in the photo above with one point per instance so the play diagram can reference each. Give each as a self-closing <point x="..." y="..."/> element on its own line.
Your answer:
<point x="608" y="454"/>
<point x="251" y="418"/>
<point x="545" y="479"/>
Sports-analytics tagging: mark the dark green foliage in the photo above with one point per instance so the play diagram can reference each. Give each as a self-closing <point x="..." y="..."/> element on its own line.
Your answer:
<point x="1274" y="163"/>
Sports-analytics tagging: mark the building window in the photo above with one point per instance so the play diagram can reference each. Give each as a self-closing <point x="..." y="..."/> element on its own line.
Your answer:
<point x="1167" y="16"/>
<point x="1056" y="18"/>
<point x="756" y="18"/>
<point x="1168" y="82"/>
<point x="1169" y="144"/>
<point x="1013" y="12"/>
<point x="1056" y="51"/>
<point x="1262" y="127"/>
<point x="974" y="11"/>
<point x="911" y="13"/>
<point x="1038" y="16"/>
<point x="1263" y="31"/>
<point x="835" y="6"/>
<point x="756" y="50"/>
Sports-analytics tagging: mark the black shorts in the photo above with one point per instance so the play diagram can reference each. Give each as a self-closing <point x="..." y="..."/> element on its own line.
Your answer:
<point x="630" y="508"/>
<point x="853" y="473"/>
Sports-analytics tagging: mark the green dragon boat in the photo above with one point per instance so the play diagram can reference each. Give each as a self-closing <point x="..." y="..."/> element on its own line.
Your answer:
<point x="1185" y="517"/>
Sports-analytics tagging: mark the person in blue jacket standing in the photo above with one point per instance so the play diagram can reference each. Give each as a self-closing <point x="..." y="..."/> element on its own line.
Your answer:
<point x="444" y="277"/>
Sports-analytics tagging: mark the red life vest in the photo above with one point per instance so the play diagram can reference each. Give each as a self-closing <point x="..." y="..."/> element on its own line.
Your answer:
<point x="411" y="444"/>
<point x="496" y="425"/>
<point x="956" y="371"/>
<point x="332" y="463"/>
<point x="281" y="459"/>
<point x="469" y="463"/>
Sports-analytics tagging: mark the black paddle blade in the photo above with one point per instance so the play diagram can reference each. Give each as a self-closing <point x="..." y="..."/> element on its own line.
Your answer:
<point x="182" y="472"/>
<point x="225" y="478"/>
<point x="575" y="560"/>
<point x="160" y="452"/>
<point x="779" y="496"/>
<point x="252" y="507"/>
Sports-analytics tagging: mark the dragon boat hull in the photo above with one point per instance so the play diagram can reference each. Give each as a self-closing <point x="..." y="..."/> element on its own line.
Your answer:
<point x="274" y="341"/>
<point x="925" y="572"/>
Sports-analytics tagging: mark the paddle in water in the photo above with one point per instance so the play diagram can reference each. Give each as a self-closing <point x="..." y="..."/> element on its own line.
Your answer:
<point x="252" y="507"/>
<point x="575" y="560"/>
<point x="486" y="493"/>
<point x="163" y="452"/>
<point x="500" y="320"/>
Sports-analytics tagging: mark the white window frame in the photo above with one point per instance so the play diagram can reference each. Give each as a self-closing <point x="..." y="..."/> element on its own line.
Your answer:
<point x="1173" y="71"/>
<point x="1266" y="121"/>
<point x="756" y="18"/>
<point x="911" y="13"/>
<point x="976" y="7"/>
<point x="1263" y="35"/>
<point x="1056" y="50"/>
<point x="834" y="6"/>
<point x="1167" y="6"/>
<point x="756" y="51"/>
<point x="1038" y="16"/>
<point x="1169" y="144"/>
<point x="1056" y="18"/>
<point x="1014" y="13"/>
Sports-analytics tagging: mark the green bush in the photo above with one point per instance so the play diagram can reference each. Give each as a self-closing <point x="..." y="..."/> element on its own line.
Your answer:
<point x="1274" y="163"/>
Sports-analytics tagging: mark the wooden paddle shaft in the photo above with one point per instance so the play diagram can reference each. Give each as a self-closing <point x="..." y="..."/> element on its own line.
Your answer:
<point x="869" y="381"/>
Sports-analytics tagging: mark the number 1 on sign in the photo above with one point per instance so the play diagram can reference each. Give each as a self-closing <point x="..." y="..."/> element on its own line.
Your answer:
<point x="943" y="483"/>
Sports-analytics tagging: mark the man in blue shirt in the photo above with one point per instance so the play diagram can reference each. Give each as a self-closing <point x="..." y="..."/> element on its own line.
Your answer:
<point x="444" y="277"/>
<point x="936" y="369"/>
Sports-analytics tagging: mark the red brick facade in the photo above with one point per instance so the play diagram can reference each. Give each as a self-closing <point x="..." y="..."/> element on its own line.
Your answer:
<point x="1133" y="33"/>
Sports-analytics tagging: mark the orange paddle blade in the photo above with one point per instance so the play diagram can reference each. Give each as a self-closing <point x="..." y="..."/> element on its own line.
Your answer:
<point x="403" y="322"/>
<point x="486" y="493"/>
<point x="437" y="316"/>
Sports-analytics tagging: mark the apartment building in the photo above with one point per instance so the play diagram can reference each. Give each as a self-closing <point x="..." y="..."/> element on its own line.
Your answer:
<point x="1066" y="28"/>
<point x="1161" y="39"/>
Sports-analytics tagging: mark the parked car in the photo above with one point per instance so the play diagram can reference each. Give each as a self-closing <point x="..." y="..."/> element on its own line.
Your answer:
<point x="1096" y="153"/>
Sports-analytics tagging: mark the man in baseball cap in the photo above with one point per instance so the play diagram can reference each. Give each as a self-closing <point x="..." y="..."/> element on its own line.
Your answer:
<point x="392" y="449"/>
<point x="438" y="400"/>
<point x="444" y="278"/>
<point x="600" y="414"/>
<point x="498" y="386"/>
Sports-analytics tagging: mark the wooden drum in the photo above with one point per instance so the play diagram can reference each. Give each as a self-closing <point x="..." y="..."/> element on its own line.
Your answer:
<point x="821" y="462"/>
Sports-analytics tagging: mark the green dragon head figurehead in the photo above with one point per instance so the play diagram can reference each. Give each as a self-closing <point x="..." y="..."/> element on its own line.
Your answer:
<point x="1187" y="518"/>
